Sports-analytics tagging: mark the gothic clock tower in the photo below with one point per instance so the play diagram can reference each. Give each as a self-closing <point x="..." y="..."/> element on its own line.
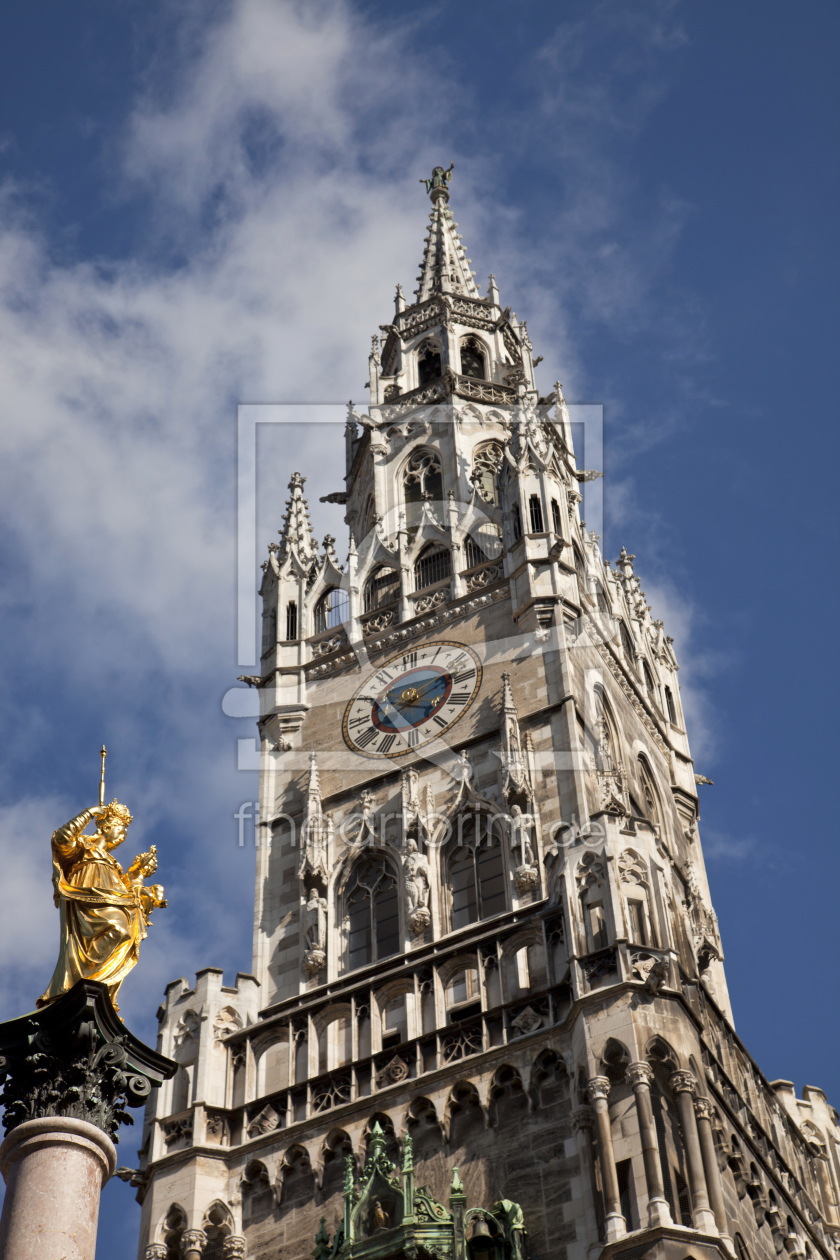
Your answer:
<point x="488" y="1011"/>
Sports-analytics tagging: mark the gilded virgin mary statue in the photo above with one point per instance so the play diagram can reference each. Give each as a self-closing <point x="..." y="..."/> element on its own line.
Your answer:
<point x="105" y="911"/>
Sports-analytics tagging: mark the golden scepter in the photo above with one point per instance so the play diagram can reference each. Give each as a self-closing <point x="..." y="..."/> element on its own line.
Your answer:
<point x="103" y="754"/>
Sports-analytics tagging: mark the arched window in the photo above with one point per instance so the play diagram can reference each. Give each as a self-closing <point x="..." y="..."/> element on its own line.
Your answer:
<point x="649" y="683"/>
<point x="428" y="362"/>
<point x="382" y="588"/>
<point x="473" y="359"/>
<point x="669" y="704"/>
<point x="633" y="878"/>
<point x="174" y="1226"/>
<point x="423" y="479"/>
<point x="535" y="514"/>
<point x="627" y="643"/>
<point x="580" y="567"/>
<point x="394" y="1022"/>
<point x="372" y="913"/>
<point x="603" y="602"/>
<point x="291" y="620"/>
<point x="487" y="465"/>
<point x="273" y="1068"/>
<point x="651" y="805"/>
<point x="473" y="554"/>
<point x="592" y="890"/>
<point x="433" y="565"/>
<point x="476" y="874"/>
<point x="516" y="520"/>
<point x="463" y="995"/>
<point x="555" y="516"/>
<point x="332" y="609"/>
<point x="335" y="1044"/>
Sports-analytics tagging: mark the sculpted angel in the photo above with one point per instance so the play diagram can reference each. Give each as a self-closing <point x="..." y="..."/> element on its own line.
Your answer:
<point x="105" y="911"/>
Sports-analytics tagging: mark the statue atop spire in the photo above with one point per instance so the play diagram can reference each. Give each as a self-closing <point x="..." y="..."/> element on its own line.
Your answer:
<point x="438" y="185"/>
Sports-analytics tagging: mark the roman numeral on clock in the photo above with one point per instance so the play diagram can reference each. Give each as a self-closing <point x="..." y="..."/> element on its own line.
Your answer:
<point x="460" y="699"/>
<point x="412" y="738"/>
<point x="385" y="747"/>
<point x="358" y="721"/>
<point x="363" y="740"/>
<point x="463" y="676"/>
<point x="409" y="660"/>
<point x="440" y="722"/>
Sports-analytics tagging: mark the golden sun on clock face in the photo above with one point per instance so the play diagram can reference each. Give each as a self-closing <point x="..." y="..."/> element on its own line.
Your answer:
<point x="411" y="699"/>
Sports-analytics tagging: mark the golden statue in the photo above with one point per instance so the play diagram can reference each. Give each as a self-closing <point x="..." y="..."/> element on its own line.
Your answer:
<point x="105" y="911"/>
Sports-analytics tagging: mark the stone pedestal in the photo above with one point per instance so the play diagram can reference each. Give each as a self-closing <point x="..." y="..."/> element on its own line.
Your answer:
<point x="54" y="1171"/>
<point x="68" y="1073"/>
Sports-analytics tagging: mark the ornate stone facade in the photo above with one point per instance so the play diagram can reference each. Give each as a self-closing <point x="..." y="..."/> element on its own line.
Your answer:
<point x="483" y="938"/>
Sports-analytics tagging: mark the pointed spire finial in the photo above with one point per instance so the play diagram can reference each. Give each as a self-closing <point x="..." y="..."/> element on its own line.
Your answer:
<point x="296" y="533"/>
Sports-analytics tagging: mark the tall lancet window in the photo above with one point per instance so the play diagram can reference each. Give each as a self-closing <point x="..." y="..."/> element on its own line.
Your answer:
<point x="487" y="467"/>
<point x="433" y="565"/>
<point x="649" y="794"/>
<point x="473" y="359"/>
<point x="423" y="478"/>
<point x="428" y="362"/>
<point x="372" y="913"/>
<point x="475" y="872"/>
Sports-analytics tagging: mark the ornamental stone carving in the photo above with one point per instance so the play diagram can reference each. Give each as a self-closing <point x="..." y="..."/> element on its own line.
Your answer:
<point x="597" y="1087"/>
<point x="234" y="1247"/>
<point x="75" y="1058"/>
<point x="583" y="1118"/>
<point x="314" y="933"/>
<point x="639" y="1074"/>
<point x="704" y="1109"/>
<point x="417" y="887"/>
<point x="683" y="1082"/>
<point x="156" y="1251"/>
<point x="193" y="1243"/>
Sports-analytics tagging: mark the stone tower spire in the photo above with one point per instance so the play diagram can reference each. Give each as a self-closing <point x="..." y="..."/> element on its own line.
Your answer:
<point x="296" y="533"/>
<point x="445" y="267"/>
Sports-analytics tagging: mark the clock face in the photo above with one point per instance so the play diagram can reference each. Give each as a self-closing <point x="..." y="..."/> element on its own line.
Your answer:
<point x="412" y="699"/>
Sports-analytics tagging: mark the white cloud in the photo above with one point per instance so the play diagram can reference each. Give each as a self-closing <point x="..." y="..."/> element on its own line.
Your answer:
<point x="277" y="153"/>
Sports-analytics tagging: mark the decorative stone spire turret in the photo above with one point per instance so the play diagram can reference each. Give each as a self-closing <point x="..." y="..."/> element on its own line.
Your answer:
<point x="445" y="267"/>
<point x="316" y="831"/>
<point x="296" y="534"/>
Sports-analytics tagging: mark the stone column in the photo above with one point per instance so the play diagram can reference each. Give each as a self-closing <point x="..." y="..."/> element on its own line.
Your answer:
<point x="597" y="1090"/>
<point x="684" y="1086"/>
<point x="703" y="1111"/>
<point x="193" y="1242"/>
<point x="640" y="1075"/>
<point x="54" y="1170"/>
<point x="583" y="1122"/>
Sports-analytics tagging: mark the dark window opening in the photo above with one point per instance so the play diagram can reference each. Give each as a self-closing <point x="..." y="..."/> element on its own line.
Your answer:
<point x="332" y="610"/>
<point x="624" y="1174"/>
<point x="476" y="874"/>
<point x="683" y="1200"/>
<point x="473" y="554"/>
<point x="517" y="521"/>
<point x="638" y="923"/>
<point x="535" y="514"/>
<point x="372" y="914"/>
<point x="434" y="564"/>
<point x="555" y="516"/>
<point x="627" y="643"/>
<point x="473" y="359"/>
<point x="428" y="363"/>
<point x="669" y="702"/>
<point x="383" y="588"/>
<point x="291" y="620"/>
<point x="423" y="478"/>
<point x="648" y="678"/>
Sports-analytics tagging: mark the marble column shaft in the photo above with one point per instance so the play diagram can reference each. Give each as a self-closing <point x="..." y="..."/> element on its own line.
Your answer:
<point x="54" y="1170"/>
<point x="703" y="1111"/>
<point x="640" y="1076"/>
<point x="597" y="1090"/>
<point x="684" y="1085"/>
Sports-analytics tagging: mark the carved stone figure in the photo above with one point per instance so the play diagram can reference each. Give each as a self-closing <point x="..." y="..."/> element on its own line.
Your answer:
<point x="525" y="874"/>
<point x="314" y="933"/>
<point x="440" y="178"/>
<point x="417" y="887"/>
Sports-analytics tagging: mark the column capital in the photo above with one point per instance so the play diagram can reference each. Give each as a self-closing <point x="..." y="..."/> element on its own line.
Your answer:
<point x="193" y="1241"/>
<point x="597" y="1087"/>
<point x="683" y="1082"/>
<point x="156" y="1251"/>
<point x="234" y="1248"/>
<point x="703" y="1108"/>
<point x="639" y="1074"/>
<point x="582" y="1118"/>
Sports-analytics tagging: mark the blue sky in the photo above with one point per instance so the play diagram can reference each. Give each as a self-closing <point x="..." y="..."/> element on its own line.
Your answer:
<point x="207" y="203"/>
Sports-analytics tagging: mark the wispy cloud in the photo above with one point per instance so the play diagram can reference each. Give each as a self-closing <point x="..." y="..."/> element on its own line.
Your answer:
<point x="279" y="180"/>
